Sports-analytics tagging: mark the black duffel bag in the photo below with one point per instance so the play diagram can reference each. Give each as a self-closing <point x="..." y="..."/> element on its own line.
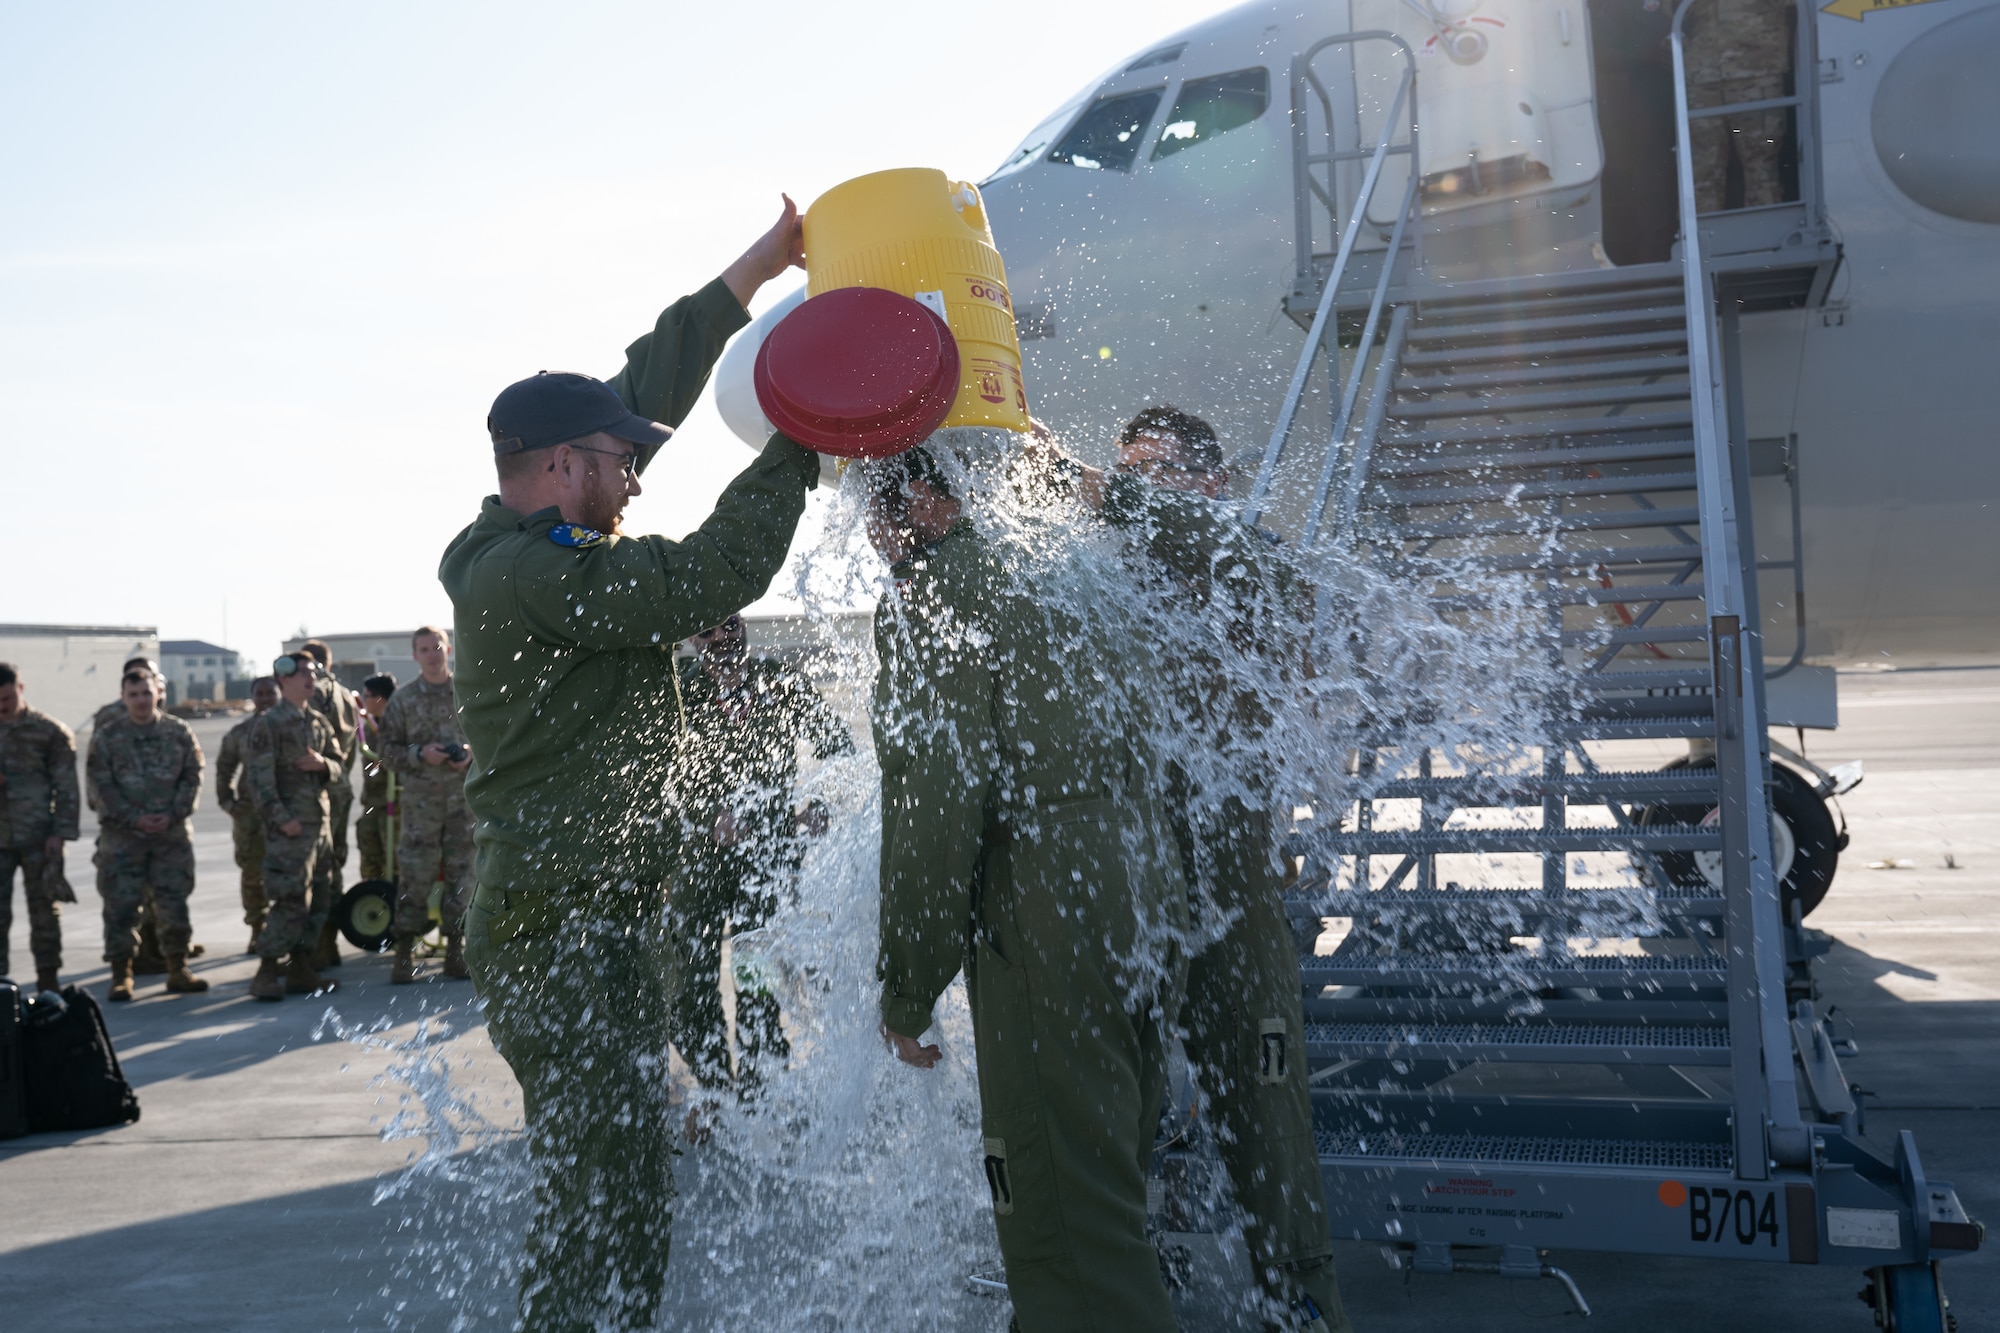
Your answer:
<point x="70" y="1071"/>
<point x="13" y="1083"/>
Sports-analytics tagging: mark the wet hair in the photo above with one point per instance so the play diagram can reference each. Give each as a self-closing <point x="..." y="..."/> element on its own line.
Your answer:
<point x="382" y="686"/>
<point x="9" y="674"/>
<point x="137" y="678"/>
<point x="318" y="651"/>
<point x="422" y="630"/>
<point x="889" y="479"/>
<point x="1195" y="435"/>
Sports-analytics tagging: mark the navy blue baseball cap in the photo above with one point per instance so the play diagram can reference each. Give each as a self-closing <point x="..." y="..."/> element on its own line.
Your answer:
<point x="556" y="407"/>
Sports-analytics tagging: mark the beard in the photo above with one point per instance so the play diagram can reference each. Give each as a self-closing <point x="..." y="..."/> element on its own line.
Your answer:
<point x="604" y="502"/>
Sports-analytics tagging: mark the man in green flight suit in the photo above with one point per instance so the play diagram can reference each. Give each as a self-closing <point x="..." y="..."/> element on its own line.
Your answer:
<point x="1022" y="843"/>
<point x="745" y="841"/>
<point x="565" y="683"/>
<point x="1244" y="1022"/>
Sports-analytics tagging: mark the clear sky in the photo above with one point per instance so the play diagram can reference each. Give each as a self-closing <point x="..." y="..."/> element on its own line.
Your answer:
<point x="264" y="266"/>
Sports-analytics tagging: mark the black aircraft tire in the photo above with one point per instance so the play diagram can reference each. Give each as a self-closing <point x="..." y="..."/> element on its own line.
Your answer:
<point x="366" y="915"/>
<point x="1817" y="839"/>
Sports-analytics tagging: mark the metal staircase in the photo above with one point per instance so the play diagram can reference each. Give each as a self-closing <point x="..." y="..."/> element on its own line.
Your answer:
<point x="1534" y="1034"/>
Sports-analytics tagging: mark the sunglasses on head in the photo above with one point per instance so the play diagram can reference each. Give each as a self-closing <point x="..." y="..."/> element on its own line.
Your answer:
<point x="292" y="664"/>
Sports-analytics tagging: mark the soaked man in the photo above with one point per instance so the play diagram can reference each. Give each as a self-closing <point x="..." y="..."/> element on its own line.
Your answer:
<point x="378" y="780"/>
<point x="1022" y="844"/>
<point x="747" y="718"/>
<point x="292" y="754"/>
<point x="335" y="702"/>
<point x="565" y="629"/>
<point x="145" y="769"/>
<point x="1244" y="1022"/>
<point x="38" y="814"/>
<point x="233" y="796"/>
<point x="424" y="746"/>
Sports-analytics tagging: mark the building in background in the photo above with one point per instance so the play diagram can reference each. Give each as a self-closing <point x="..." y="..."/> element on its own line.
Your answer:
<point x="356" y="657"/>
<point x="72" y="670"/>
<point x="198" y="669"/>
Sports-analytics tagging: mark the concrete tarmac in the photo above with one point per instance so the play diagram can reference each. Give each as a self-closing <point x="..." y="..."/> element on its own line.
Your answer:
<point x="244" y="1198"/>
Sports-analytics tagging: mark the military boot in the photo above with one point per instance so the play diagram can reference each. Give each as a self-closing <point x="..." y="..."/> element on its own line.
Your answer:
<point x="121" y="978"/>
<point x="300" y="979"/>
<point x="149" y="961"/>
<point x="46" y="979"/>
<point x="269" y="983"/>
<point x="326" y="953"/>
<point x="454" y="958"/>
<point x="180" y="981"/>
<point x="404" y="970"/>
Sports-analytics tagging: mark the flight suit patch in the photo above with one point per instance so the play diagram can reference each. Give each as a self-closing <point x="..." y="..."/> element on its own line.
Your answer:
<point x="575" y="536"/>
<point x="996" y="1177"/>
<point x="1273" y="1064"/>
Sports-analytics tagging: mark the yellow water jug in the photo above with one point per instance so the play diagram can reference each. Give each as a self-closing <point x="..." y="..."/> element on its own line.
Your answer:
<point x="916" y="232"/>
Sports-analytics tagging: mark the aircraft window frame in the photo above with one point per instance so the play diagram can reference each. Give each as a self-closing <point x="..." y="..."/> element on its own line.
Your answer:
<point x="1165" y="55"/>
<point x="1165" y="146"/>
<point x="1135" y="139"/>
<point x="1038" y="140"/>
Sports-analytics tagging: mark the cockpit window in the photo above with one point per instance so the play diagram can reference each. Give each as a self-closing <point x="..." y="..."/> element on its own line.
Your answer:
<point x="1107" y="136"/>
<point x="1166" y="55"/>
<point x="1212" y="106"/>
<point x="1038" y="139"/>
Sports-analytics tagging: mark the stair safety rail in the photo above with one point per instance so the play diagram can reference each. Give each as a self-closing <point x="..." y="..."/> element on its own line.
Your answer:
<point x="1303" y="163"/>
<point x="1767" y="1125"/>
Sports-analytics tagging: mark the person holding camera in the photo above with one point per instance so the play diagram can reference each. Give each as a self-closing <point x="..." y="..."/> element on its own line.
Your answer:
<point x="424" y="746"/>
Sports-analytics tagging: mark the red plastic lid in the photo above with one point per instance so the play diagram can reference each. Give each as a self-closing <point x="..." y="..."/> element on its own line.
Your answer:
<point x="858" y="372"/>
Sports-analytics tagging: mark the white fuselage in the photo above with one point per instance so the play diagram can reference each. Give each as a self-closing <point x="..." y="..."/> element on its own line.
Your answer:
<point x="1150" y="268"/>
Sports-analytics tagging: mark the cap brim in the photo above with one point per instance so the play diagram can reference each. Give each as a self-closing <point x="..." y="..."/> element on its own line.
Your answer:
<point x="644" y="436"/>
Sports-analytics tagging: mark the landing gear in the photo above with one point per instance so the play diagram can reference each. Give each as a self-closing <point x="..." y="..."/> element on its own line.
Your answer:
<point x="1909" y="1298"/>
<point x="1805" y="841"/>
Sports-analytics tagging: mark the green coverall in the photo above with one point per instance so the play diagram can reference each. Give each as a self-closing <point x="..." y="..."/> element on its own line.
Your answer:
<point x="1021" y="841"/>
<point x="565" y="689"/>
<point x="1244" y="1021"/>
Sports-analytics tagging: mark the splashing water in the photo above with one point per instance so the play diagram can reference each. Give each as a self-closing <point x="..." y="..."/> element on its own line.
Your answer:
<point x="847" y="1192"/>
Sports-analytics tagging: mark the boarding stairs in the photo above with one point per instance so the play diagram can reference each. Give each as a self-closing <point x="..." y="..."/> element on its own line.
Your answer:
<point x="1567" y="1011"/>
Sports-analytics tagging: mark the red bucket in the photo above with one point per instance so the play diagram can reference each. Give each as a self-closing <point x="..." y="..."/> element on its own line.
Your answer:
<point x="858" y="372"/>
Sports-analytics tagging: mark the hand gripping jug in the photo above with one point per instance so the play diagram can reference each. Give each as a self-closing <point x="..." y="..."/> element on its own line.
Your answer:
<point x="916" y="233"/>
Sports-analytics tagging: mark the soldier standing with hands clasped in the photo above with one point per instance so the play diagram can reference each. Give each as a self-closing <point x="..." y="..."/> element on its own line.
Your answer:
<point x="291" y="752"/>
<point x="38" y="814"/>
<point x="565" y="682"/>
<point x="145" y="769"/>
<point x="424" y="746"/>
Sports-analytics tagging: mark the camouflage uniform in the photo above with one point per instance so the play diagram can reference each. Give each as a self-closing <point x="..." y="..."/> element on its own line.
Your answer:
<point x="134" y="771"/>
<point x="1738" y="51"/>
<point x="38" y="801"/>
<point x="149" y="958"/>
<point x="437" y="827"/>
<point x="232" y="794"/>
<point x="741" y="756"/>
<point x="378" y="802"/>
<point x="298" y="881"/>
<point x="335" y="702"/>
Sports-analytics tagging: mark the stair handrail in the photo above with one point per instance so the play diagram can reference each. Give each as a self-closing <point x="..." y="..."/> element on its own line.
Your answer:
<point x="1764" y="1086"/>
<point x="1406" y="90"/>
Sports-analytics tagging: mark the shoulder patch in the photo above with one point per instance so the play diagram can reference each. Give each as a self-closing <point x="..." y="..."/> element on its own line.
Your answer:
<point x="575" y="537"/>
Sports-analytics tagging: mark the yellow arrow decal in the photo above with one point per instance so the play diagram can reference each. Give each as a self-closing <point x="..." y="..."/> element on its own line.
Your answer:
<point x="1861" y="9"/>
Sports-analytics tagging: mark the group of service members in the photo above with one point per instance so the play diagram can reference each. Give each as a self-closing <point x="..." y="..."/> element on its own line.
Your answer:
<point x="283" y="775"/>
<point x="1036" y="835"/>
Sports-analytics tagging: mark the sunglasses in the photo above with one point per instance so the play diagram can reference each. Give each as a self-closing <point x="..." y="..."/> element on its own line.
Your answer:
<point x="628" y="463"/>
<point x="292" y="664"/>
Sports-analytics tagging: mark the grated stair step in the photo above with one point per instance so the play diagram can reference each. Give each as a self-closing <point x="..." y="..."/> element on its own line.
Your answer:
<point x="1547" y="400"/>
<point x="1538" y="352"/>
<point x="1627" y="428"/>
<point x="1518" y="492"/>
<point x="1483" y="326"/>
<point x="1563" y="372"/>
<point x="1634" y="972"/>
<point x="1353" y="1147"/>
<point x="1584" y="456"/>
<point x="1541" y="1043"/>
